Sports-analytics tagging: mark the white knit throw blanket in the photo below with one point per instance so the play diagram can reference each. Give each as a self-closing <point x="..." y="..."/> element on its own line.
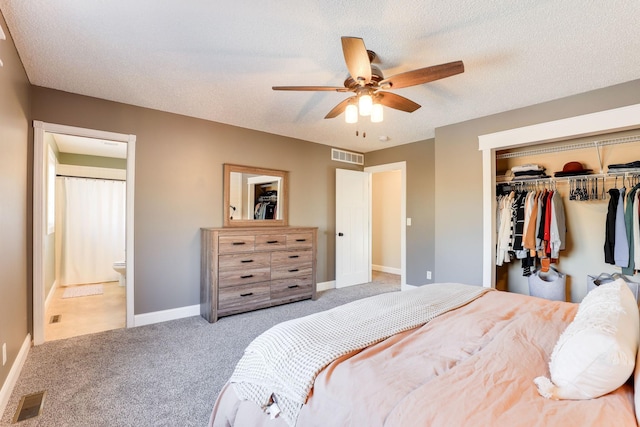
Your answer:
<point x="282" y="363"/>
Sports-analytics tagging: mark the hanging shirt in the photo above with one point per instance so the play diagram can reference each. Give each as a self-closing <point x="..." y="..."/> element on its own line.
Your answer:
<point x="628" y="222"/>
<point x="547" y="225"/>
<point x="530" y="235"/>
<point x="519" y="211"/>
<point x="558" y="227"/>
<point x="505" y="230"/>
<point x="610" y="232"/>
<point x="636" y="230"/>
<point x="621" y="248"/>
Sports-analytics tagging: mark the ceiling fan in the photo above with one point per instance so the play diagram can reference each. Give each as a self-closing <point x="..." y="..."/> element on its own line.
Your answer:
<point x="370" y="87"/>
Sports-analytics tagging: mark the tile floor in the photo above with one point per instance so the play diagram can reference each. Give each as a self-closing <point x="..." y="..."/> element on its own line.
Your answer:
<point x="86" y="315"/>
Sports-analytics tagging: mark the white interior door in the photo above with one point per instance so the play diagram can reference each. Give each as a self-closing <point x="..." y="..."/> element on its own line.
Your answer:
<point x="353" y="261"/>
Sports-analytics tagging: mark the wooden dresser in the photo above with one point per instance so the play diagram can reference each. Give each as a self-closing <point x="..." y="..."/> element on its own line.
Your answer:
<point x="245" y="269"/>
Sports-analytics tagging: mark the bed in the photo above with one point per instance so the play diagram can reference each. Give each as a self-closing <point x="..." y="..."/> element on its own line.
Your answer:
<point x="472" y="363"/>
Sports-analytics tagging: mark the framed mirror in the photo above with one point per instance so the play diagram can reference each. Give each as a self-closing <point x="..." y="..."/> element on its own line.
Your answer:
<point x="255" y="197"/>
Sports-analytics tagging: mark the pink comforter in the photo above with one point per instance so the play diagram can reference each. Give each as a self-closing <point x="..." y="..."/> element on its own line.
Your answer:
<point x="473" y="366"/>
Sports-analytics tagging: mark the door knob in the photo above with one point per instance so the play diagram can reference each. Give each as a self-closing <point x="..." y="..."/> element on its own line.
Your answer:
<point x="340" y="234"/>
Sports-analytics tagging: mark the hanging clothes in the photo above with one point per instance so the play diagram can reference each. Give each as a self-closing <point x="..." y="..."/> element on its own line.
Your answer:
<point x="505" y="228"/>
<point x="629" y="224"/>
<point x="621" y="248"/>
<point x="610" y="228"/>
<point x="636" y="230"/>
<point x="530" y="225"/>
<point x="558" y="229"/>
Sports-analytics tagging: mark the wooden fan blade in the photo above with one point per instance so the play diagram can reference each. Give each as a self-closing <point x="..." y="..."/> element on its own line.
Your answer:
<point x="339" y="109"/>
<point x="397" y="102"/>
<point x="357" y="58"/>
<point x="312" y="88"/>
<point x="423" y="75"/>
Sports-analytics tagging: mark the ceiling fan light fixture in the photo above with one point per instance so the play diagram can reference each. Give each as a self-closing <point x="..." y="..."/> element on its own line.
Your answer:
<point x="365" y="104"/>
<point x="377" y="113"/>
<point x="351" y="114"/>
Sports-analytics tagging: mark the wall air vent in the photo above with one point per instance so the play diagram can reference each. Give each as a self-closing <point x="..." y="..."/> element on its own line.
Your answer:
<point x="347" y="157"/>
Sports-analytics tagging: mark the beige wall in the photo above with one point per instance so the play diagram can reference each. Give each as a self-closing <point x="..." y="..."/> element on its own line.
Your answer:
<point x="386" y="220"/>
<point x="15" y="234"/>
<point x="178" y="186"/>
<point x="458" y="171"/>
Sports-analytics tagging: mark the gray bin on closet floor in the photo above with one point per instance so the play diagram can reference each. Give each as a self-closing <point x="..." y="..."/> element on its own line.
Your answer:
<point x="550" y="285"/>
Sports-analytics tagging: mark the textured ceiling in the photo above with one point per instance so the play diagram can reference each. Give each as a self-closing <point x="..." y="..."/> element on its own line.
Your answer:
<point x="217" y="60"/>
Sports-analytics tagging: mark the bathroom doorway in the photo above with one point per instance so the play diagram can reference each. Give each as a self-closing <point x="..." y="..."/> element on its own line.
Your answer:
<point x="83" y="231"/>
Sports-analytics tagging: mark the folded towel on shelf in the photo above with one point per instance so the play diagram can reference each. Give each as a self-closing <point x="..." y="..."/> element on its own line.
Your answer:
<point x="634" y="164"/>
<point x="527" y="167"/>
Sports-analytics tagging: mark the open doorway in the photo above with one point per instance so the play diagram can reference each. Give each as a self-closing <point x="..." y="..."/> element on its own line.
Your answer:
<point x="388" y="233"/>
<point x="386" y="228"/>
<point x="83" y="231"/>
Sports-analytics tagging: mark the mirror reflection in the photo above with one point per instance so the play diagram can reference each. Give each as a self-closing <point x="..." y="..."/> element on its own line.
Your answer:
<point x="254" y="196"/>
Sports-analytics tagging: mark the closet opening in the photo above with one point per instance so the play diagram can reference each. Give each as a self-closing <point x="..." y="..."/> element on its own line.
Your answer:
<point x="556" y="146"/>
<point x="582" y="173"/>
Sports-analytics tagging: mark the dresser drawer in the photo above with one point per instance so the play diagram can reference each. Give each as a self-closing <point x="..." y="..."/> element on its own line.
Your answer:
<point x="282" y="259"/>
<point x="268" y="242"/>
<point x="301" y="240"/>
<point x="287" y="264"/>
<point x="291" y="289"/>
<point x="244" y="261"/>
<point x="232" y="244"/>
<point x="243" y="298"/>
<point x="242" y="277"/>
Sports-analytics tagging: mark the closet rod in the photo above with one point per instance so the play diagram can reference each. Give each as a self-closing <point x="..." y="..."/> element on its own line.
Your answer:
<point x="628" y="174"/>
<point x="577" y="146"/>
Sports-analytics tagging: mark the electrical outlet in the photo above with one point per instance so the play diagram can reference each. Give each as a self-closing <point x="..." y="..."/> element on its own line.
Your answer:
<point x="4" y="354"/>
<point x="428" y="275"/>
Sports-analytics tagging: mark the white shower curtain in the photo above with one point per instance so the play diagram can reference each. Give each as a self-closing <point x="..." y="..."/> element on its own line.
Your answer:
<point x="91" y="229"/>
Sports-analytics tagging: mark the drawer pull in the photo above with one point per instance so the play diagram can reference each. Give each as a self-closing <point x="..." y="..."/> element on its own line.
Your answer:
<point x="246" y="276"/>
<point x="247" y="294"/>
<point x="246" y="260"/>
<point x="292" y="286"/>
<point x="272" y="241"/>
<point x="293" y="270"/>
<point x="301" y="240"/>
<point x="294" y="256"/>
<point x="239" y="243"/>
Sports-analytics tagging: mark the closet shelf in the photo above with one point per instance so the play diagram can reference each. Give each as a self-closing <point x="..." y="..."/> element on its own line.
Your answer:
<point x="569" y="147"/>
<point x="503" y="179"/>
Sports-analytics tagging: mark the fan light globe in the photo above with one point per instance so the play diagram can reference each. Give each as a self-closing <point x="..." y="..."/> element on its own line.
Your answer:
<point x="365" y="103"/>
<point x="376" y="113"/>
<point x="351" y="114"/>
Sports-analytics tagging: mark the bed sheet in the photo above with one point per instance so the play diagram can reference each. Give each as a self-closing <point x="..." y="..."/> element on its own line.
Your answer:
<point x="472" y="366"/>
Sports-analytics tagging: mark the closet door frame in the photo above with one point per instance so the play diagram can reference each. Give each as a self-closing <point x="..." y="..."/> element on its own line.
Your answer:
<point x="614" y="120"/>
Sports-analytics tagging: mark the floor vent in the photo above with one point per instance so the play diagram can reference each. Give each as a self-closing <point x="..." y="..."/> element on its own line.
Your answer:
<point x="55" y="318"/>
<point x="30" y="406"/>
<point x="347" y="156"/>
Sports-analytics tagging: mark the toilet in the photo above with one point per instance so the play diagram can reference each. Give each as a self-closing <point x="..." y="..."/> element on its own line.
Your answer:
<point x="121" y="268"/>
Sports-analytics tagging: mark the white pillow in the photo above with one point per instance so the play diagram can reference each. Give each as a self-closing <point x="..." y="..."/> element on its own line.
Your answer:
<point x="636" y="386"/>
<point x="596" y="354"/>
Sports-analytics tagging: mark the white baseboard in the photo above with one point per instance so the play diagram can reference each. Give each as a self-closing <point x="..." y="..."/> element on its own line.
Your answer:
<point x="166" y="315"/>
<point x="405" y="287"/>
<point x="384" y="269"/>
<point x="325" y="286"/>
<point x="14" y="373"/>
